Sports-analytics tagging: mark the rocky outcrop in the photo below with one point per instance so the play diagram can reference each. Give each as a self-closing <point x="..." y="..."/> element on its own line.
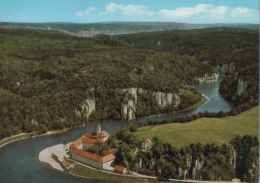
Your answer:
<point x="226" y="69"/>
<point x="232" y="158"/>
<point x="86" y="108"/>
<point x="253" y="171"/>
<point x="209" y="78"/>
<point x="241" y="86"/>
<point x="160" y="98"/>
<point x="128" y="110"/>
<point x="129" y="100"/>
<point x="196" y="170"/>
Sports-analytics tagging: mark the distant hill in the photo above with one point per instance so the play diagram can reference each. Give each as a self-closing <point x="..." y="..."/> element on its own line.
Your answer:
<point x="213" y="45"/>
<point x="111" y="28"/>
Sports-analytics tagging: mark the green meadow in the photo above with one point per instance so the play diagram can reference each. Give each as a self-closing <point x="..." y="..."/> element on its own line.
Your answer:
<point x="205" y="130"/>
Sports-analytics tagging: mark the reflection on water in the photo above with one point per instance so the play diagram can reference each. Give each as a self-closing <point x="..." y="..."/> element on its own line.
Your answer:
<point x="19" y="160"/>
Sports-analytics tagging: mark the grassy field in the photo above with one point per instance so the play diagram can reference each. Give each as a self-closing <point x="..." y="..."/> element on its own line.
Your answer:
<point x="8" y="140"/>
<point x="205" y="130"/>
<point x="89" y="173"/>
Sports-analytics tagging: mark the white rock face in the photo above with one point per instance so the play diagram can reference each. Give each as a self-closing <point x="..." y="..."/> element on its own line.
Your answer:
<point x="86" y="108"/>
<point x="232" y="158"/>
<point x="241" y="86"/>
<point x="225" y="68"/>
<point x="209" y="78"/>
<point x="196" y="170"/>
<point x="130" y="99"/>
<point x="127" y="110"/>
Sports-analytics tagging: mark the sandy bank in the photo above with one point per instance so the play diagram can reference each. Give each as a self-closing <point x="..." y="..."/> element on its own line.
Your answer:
<point x="58" y="150"/>
<point x="206" y="98"/>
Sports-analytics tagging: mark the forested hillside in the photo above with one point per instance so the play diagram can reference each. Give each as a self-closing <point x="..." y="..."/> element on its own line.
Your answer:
<point x="213" y="45"/>
<point x="46" y="75"/>
<point x="233" y="52"/>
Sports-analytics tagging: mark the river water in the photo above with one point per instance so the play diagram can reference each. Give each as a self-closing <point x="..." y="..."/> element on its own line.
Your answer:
<point x="19" y="160"/>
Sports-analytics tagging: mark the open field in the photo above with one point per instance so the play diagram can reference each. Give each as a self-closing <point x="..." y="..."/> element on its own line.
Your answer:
<point x="205" y="130"/>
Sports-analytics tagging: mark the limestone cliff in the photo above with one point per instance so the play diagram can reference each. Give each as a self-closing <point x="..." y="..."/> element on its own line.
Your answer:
<point x="86" y="108"/>
<point x="128" y="110"/>
<point x="129" y="100"/>
<point x="160" y="98"/>
<point x="226" y="69"/>
<point x="241" y="86"/>
<point x="209" y="78"/>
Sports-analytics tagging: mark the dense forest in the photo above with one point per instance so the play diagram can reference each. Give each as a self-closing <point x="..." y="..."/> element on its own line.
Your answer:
<point x="215" y="46"/>
<point x="238" y="159"/>
<point x="212" y="45"/>
<point x="242" y="86"/>
<point x="45" y="76"/>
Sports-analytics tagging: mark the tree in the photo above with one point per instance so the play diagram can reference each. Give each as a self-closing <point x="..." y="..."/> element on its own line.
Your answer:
<point x="168" y="171"/>
<point x="158" y="148"/>
<point x="92" y="149"/>
<point x="111" y="141"/>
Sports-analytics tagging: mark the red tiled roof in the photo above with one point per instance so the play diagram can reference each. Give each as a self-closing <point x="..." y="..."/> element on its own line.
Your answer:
<point x="90" y="140"/>
<point x="93" y="156"/>
<point x="143" y="170"/>
<point x="103" y="134"/>
<point x="119" y="168"/>
<point x="76" y="143"/>
<point x="91" y="135"/>
<point x="106" y="151"/>
<point x="147" y="140"/>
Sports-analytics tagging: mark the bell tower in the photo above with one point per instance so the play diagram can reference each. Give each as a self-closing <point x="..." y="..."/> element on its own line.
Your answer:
<point x="98" y="128"/>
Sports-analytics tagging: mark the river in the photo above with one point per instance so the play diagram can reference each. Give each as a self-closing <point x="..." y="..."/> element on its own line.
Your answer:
<point x="19" y="160"/>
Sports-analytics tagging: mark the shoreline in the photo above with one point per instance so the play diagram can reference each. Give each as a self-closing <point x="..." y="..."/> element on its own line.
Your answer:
<point x="46" y="155"/>
<point x="60" y="150"/>
<point x="64" y="130"/>
<point x="21" y="134"/>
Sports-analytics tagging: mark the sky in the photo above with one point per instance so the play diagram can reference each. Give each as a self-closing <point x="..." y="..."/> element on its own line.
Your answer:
<point x="89" y="11"/>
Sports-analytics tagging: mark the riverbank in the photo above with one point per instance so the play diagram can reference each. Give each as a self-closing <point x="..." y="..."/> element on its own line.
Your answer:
<point x="60" y="151"/>
<point x="14" y="138"/>
<point x="84" y="171"/>
<point x="22" y="136"/>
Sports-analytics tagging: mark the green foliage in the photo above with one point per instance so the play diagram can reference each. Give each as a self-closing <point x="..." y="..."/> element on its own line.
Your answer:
<point x="92" y="149"/>
<point x="46" y="75"/>
<point x="213" y="45"/>
<point x="249" y="76"/>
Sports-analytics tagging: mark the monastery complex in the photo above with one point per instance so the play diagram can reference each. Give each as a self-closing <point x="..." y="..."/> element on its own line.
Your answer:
<point x="89" y="139"/>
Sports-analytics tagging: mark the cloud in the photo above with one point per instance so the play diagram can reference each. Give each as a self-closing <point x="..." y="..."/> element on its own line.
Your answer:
<point x="129" y="10"/>
<point x="201" y="10"/>
<point x="208" y="12"/>
<point x="243" y="12"/>
<point x="86" y="13"/>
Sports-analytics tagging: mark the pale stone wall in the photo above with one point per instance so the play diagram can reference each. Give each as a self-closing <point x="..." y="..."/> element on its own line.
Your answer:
<point x="87" y="161"/>
<point x="107" y="164"/>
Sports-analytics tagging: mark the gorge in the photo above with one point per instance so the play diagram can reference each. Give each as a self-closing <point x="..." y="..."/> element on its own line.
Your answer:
<point x="29" y="169"/>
